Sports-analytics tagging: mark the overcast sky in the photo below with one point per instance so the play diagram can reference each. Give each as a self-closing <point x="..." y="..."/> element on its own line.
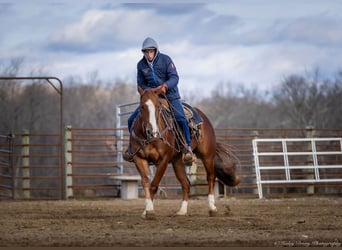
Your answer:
<point x="250" y="42"/>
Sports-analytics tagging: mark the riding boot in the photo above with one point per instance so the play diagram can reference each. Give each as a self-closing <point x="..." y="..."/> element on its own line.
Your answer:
<point x="189" y="157"/>
<point x="127" y="155"/>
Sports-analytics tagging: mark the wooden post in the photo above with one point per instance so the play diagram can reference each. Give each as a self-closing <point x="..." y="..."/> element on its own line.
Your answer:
<point x="68" y="162"/>
<point x="25" y="154"/>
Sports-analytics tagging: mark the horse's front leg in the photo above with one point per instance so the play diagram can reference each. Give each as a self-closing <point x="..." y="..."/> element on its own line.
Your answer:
<point x="180" y="173"/>
<point x="142" y="167"/>
<point x="160" y="170"/>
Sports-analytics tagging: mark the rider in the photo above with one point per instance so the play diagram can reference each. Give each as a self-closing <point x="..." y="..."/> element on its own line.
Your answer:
<point x="156" y="70"/>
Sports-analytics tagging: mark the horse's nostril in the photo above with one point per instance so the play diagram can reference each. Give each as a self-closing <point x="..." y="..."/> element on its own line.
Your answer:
<point x="148" y="133"/>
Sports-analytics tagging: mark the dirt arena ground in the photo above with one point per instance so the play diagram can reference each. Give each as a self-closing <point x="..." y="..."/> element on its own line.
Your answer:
<point x="245" y="222"/>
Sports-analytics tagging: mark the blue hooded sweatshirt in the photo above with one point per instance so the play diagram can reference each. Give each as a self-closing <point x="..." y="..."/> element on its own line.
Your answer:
<point x="160" y="70"/>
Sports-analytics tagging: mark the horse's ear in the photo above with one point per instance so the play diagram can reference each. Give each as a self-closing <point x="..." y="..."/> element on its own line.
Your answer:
<point x="140" y="90"/>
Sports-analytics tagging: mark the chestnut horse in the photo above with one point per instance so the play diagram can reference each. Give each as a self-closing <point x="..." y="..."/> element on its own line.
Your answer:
<point x="153" y="140"/>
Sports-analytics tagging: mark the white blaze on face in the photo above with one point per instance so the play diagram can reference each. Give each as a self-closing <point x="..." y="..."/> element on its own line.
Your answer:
<point x="152" y="116"/>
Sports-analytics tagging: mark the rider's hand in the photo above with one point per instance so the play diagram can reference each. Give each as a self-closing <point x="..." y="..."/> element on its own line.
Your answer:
<point x="163" y="88"/>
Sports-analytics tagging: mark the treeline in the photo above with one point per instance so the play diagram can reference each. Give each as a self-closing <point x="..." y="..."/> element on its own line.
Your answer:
<point x="298" y="101"/>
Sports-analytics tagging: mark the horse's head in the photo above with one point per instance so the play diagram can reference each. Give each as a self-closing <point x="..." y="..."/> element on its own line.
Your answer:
<point x="149" y="110"/>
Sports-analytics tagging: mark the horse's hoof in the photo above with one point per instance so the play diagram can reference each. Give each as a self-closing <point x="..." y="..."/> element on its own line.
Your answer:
<point x="150" y="215"/>
<point x="181" y="214"/>
<point x="213" y="213"/>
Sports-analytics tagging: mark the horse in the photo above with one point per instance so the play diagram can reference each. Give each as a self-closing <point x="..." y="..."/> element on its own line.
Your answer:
<point x="153" y="140"/>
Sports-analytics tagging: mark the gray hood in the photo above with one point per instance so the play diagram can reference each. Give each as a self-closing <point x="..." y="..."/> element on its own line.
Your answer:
<point x="150" y="43"/>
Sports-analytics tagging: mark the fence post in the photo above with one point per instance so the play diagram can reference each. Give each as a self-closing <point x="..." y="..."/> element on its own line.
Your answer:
<point x="12" y="165"/>
<point x="68" y="162"/>
<point x="119" y="142"/>
<point x="310" y="189"/>
<point x="25" y="154"/>
<point x="255" y="180"/>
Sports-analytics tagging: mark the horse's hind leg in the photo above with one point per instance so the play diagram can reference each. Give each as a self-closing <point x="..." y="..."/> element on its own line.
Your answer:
<point x="209" y="166"/>
<point x="180" y="173"/>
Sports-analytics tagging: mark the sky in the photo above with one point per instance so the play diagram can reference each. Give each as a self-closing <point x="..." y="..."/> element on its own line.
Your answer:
<point x="254" y="43"/>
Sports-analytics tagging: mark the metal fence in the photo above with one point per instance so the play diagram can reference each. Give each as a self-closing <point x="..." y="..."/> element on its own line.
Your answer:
<point x="241" y="140"/>
<point x="38" y="159"/>
<point x="297" y="160"/>
<point x="91" y="159"/>
<point x="35" y="166"/>
<point x="6" y="166"/>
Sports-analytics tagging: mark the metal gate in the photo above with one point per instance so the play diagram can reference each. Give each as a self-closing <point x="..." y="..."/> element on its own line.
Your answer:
<point x="7" y="172"/>
<point x="57" y="85"/>
<point x="122" y="110"/>
<point x="303" y="161"/>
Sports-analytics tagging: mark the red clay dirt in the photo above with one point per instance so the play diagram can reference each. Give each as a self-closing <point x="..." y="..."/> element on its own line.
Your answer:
<point x="310" y="221"/>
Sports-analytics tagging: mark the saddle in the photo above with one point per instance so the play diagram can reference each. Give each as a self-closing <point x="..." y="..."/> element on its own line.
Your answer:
<point x="193" y="118"/>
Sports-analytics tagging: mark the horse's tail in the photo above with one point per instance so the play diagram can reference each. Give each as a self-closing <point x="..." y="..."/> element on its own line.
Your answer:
<point x="225" y="166"/>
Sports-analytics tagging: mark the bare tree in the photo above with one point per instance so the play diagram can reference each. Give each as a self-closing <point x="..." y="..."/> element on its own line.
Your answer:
<point x="237" y="107"/>
<point x="299" y="101"/>
<point x="333" y="103"/>
<point x="304" y="101"/>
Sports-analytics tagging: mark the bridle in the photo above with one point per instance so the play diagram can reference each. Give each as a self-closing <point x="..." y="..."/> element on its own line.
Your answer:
<point x="162" y="115"/>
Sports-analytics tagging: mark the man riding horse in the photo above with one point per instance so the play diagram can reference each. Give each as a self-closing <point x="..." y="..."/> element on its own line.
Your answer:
<point x="157" y="71"/>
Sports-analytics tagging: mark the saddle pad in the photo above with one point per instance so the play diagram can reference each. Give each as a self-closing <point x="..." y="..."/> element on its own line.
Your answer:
<point x="192" y="114"/>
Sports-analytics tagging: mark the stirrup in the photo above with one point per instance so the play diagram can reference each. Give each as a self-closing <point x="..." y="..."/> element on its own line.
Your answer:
<point x="127" y="156"/>
<point x="188" y="157"/>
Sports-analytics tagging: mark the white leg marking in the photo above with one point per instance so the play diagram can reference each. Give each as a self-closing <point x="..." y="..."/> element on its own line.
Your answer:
<point x="152" y="118"/>
<point x="148" y="206"/>
<point x="184" y="208"/>
<point x="211" y="200"/>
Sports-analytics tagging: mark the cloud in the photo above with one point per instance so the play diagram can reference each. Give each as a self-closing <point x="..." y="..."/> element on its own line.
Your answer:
<point x="97" y="30"/>
<point x="164" y="8"/>
<point x="101" y="30"/>
<point x="316" y="30"/>
<point x="121" y="28"/>
<point x="210" y="42"/>
<point x="213" y="29"/>
<point x="5" y="7"/>
<point x="124" y="26"/>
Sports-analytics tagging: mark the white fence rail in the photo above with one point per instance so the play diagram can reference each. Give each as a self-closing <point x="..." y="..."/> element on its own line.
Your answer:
<point x="288" y="151"/>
